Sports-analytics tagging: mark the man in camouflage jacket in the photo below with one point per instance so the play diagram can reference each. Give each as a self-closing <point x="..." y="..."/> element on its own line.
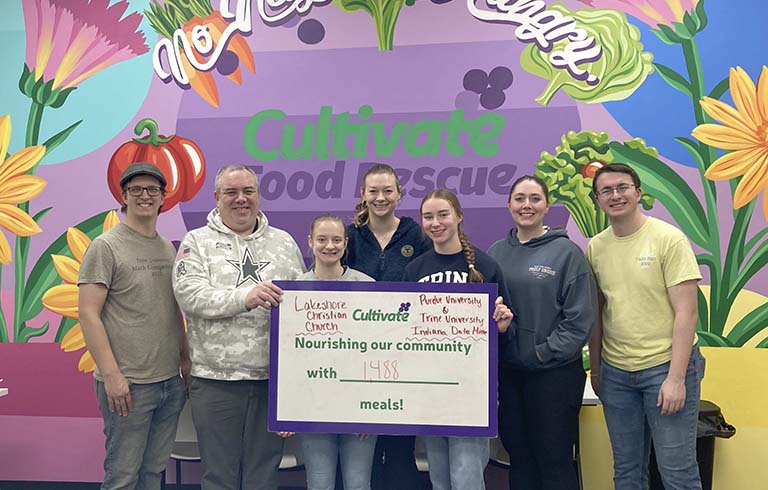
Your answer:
<point x="222" y="281"/>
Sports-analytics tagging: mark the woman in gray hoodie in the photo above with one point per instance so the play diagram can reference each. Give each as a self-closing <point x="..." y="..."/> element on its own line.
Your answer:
<point x="541" y="376"/>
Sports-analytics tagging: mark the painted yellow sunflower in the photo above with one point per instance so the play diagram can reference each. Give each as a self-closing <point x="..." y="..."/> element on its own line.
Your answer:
<point x="744" y="132"/>
<point x="16" y="187"/>
<point x="62" y="299"/>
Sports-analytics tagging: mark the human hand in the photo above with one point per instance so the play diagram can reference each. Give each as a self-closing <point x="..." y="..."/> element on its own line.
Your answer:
<point x="595" y="380"/>
<point x="671" y="396"/>
<point x="264" y="294"/>
<point x="185" y="368"/>
<point x="502" y="314"/>
<point x="118" y="393"/>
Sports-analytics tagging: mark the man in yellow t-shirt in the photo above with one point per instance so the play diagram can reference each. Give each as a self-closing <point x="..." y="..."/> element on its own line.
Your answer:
<point x="646" y="366"/>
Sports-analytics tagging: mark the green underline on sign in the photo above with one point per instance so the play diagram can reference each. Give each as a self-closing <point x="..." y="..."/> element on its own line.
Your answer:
<point x="398" y="382"/>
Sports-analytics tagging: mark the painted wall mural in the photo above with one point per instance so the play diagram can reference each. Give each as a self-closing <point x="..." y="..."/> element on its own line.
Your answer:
<point x="467" y="95"/>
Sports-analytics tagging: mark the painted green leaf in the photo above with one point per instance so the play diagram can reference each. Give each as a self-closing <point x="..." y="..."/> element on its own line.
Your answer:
<point x="713" y="340"/>
<point x="720" y="88"/>
<point x="752" y="266"/>
<point x="703" y="308"/>
<point x="65" y="325"/>
<point x="756" y="239"/>
<point x="27" y="333"/>
<point x="621" y="69"/>
<point x="384" y="13"/>
<point x="661" y="182"/>
<point x="59" y="138"/>
<point x="750" y="325"/>
<point x="43" y="275"/>
<point x="673" y="78"/>
<point x="693" y="148"/>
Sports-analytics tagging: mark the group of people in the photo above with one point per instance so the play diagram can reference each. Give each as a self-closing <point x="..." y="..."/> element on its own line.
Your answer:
<point x="633" y="297"/>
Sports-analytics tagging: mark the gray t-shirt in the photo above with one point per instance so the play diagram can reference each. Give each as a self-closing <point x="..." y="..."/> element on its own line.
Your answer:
<point x="140" y="313"/>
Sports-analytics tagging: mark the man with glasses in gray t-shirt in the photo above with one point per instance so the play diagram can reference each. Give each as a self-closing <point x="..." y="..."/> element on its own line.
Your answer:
<point x="133" y="329"/>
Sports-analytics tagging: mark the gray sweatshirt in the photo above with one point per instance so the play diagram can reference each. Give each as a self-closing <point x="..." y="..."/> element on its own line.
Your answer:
<point x="214" y="271"/>
<point x="553" y="297"/>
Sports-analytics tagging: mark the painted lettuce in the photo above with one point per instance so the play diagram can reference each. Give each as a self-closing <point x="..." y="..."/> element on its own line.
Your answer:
<point x="622" y="68"/>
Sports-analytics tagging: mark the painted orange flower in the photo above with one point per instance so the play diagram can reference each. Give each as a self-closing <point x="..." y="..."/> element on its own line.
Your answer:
<point x="744" y="132"/>
<point x="16" y="187"/>
<point x="62" y="299"/>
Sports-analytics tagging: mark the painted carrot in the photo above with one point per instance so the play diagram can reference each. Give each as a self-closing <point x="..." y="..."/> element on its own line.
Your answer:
<point x="201" y="82"/>
<point x="236" y="76"/>
<point x="237" y="43"/>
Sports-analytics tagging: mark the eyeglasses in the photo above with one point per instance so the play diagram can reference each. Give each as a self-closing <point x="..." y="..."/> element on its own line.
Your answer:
<point x="608" y="191"/>
<point x="137" y="190"/>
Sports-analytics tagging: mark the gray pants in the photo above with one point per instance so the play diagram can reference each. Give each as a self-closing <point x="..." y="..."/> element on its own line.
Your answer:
<point x="236" y="450"/>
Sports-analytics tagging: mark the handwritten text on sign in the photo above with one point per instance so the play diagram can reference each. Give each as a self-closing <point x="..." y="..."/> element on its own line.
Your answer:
<point x="384" y="358"/>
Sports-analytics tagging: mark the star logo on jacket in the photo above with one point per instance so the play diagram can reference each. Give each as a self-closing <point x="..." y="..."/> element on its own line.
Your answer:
<point x="248" y="269"/>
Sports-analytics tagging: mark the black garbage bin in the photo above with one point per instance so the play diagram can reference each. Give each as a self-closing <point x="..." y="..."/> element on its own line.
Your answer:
<point x="711" y="424"/>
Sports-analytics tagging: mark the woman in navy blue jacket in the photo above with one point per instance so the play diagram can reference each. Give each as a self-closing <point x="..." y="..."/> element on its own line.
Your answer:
<point x="381" y="245"/>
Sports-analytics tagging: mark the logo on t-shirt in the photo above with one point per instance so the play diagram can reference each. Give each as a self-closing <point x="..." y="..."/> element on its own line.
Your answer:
<point x="455" y="277"/>
<point x="541" y="271"/>
<point x="646" y="260"/>
<point x="406" y="251"/>
<point x="248" y="269"/>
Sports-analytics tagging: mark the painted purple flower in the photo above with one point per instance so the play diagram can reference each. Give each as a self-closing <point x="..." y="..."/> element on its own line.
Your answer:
<point x="70" y="40"/>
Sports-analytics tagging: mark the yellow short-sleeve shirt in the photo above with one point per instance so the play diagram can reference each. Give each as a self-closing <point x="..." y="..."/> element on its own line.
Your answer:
<point x="634" y="272"/>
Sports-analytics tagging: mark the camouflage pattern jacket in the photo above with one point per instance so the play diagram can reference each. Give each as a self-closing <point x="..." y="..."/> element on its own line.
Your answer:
<point x="214" y="271"/>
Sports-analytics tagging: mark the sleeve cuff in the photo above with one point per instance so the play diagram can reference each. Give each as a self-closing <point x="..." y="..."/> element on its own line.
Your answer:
<point x="543" y="353"/>
<point x="240" y="296"/>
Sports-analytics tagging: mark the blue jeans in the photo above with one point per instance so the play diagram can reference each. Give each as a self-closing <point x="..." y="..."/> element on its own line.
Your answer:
<point x="457" y="463"/>
<point x="633" y="419"/>
<point x="321" y="452"/>
<point x="139" y="445"/>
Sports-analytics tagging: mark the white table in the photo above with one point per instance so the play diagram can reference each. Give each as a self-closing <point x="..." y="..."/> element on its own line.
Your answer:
<point x="589" y="399"/>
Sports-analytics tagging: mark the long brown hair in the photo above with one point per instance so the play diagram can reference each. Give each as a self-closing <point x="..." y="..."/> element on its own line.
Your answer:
<point x="361" y="209"/>
<point x="466" y="246"/>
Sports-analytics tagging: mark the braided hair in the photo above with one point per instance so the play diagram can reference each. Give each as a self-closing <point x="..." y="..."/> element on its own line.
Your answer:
<point x="361" y="209"/>
<point x="475" y="276"/>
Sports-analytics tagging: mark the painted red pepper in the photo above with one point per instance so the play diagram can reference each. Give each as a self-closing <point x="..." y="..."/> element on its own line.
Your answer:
<point x="179" y="159"/>
<point x="591" y="168"/>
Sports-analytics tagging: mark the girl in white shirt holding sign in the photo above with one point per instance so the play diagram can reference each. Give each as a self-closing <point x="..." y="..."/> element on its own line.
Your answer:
<point x="328" y="241"/>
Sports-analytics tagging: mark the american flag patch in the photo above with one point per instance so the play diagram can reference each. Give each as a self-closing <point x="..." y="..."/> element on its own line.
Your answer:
<point x="183" y="253"/>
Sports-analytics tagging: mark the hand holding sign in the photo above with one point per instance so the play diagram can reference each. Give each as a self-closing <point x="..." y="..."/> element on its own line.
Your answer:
<point x="502" y="315"/>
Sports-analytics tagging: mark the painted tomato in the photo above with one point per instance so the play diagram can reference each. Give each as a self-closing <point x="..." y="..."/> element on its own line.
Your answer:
<point x="179" y="159"/>
<point x="589" y="169"/>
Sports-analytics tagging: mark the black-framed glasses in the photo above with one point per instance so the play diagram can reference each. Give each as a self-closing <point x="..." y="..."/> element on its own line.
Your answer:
<point x="609" y="191"/>
<point x="137" y="190"/>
